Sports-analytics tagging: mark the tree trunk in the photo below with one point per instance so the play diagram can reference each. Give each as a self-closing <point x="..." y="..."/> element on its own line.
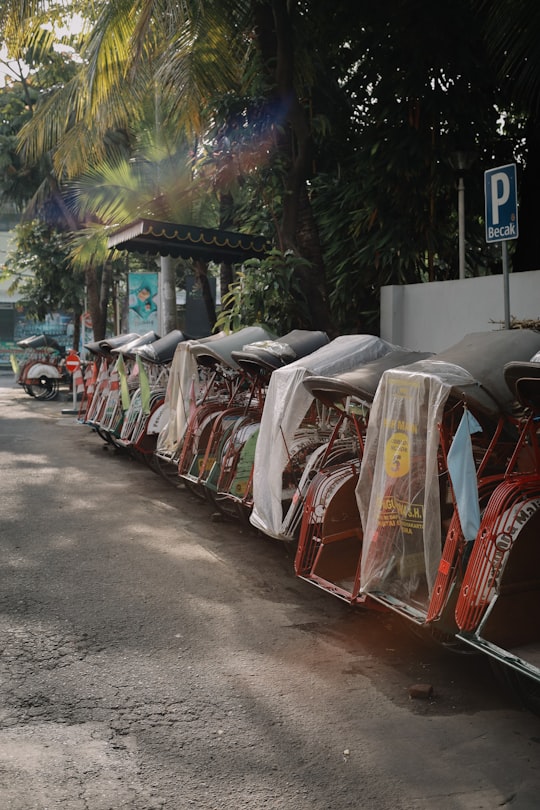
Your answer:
<point x="201" y="274"/>
<point x="99" y="321"/>
<point x="105" y="289"/>
<point x="77" y="313"/>
<point x="168" y="294"/>
<point x="309" y="247"/>
<point x="226" y="208"/>
<point x="226" y="277"/>
<point x="298" y="231"/>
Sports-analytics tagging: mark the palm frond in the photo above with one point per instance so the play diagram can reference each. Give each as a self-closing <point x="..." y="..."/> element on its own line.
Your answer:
<point x="107" y="52"/>
<point x="511" y="35"/>
<point x="200" y="64"/>
<point x="16" y="18"/>
<point x="64" y="126"/>
<point x="88" y="246"/>
<point x="112" y="192"/>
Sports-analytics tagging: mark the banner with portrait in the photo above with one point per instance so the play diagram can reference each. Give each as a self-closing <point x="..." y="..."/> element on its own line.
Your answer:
<point x="144" y="303"/>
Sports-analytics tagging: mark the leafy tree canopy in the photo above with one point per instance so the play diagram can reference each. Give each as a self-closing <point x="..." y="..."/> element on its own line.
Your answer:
<point x="40" y="269"/>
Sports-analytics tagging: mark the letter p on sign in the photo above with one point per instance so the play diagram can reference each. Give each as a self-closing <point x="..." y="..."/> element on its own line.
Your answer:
<point x="500" y="193"/>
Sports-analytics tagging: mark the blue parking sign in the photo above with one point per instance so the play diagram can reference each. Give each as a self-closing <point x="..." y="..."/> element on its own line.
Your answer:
<point x="500" y="187"/>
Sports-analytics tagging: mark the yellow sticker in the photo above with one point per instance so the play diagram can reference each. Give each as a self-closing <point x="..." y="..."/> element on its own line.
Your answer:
<point x="397" y="457"/>
<point x="239" y="488"/>
<point x="205" y="468"/>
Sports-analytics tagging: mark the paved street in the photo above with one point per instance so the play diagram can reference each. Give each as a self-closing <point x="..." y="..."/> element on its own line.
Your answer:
<point x="156" y="659"/>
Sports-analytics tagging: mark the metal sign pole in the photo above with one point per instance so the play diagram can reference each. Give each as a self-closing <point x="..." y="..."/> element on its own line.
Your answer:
<point x="501" y="214"/>
<point x="506" y="285"/>
<point x="73" y="409"/>
<point x="73" y="363"/>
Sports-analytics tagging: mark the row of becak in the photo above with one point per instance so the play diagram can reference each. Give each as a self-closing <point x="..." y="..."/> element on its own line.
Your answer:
<point x="406" y="481"/>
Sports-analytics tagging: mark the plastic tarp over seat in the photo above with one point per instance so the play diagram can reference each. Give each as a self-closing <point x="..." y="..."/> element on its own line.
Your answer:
<point x="195" y="371"/>
<point x="360" y="384"/>
<point x="287" y="402"/>
<point x="398" y="488"/>
<point x="104" y="348"/>
<point x="40" y="342"/>
<point x="183" y="390"/>
<point x="330" y="538"/>
<point x="161" y="351"/>
<point x="185" y="386"/>
<point x="221" y="352"/>
<point x="269" y="355"/>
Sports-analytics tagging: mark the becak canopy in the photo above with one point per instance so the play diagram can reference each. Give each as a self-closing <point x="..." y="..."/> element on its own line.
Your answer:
<point x="286" y="404"/>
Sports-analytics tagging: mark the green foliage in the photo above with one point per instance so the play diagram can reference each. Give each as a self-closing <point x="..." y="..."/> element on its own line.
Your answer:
<point x="387" y="92"/>
<point x="267" y="291"/>
<point x="387" y="210"/>
<point x="17" y="181"/>
<point x="39" y="63"/>
<point x="40" y="270"/>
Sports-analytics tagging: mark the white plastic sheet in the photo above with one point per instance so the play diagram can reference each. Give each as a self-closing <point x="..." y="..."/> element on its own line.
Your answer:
<point x="183" y="390"/>
<point x="286" y="404"/>
<point x="398" y="487"/>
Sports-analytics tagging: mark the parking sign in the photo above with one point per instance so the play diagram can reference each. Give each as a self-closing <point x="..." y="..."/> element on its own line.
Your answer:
<point x="500" y="187"/>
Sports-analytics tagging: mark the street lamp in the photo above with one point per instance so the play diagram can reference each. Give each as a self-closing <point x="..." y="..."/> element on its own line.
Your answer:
<point x="461" y="162"/>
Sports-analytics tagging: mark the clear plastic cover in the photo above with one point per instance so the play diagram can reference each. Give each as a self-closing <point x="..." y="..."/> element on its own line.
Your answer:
<point x="398" y="487"/>
<point x="286" y="404"/>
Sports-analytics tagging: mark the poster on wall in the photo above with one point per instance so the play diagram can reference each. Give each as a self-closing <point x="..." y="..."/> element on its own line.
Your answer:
<point x="144" y="304"/>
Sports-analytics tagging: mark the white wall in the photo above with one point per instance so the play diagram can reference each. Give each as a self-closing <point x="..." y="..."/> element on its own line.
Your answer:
<point x="434" y="316"/>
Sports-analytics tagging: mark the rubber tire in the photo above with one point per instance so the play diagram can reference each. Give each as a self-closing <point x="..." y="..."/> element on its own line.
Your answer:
<point x="46" y="389"/>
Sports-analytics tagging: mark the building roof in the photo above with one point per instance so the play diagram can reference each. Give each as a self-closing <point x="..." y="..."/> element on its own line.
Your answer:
<point x="149" y="236"/>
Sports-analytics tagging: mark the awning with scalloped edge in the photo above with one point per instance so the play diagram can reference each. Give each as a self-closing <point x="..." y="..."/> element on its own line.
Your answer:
<point x="149" y="236"/>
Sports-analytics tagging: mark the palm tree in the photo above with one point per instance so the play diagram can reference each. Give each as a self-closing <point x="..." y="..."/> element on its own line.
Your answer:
<point x="197" y="55"/>
<point x="99" y="116"/>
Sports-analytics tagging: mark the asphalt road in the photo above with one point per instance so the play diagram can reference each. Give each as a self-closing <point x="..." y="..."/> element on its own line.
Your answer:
<point x="154" y="659"/>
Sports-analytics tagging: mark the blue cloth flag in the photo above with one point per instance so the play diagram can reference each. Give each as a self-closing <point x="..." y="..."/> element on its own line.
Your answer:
<point x="463" y="476"/>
